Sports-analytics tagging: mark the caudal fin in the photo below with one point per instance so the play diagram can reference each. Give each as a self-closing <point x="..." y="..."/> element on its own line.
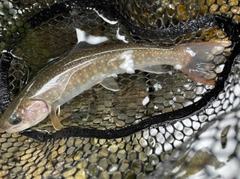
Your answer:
<point x="205" y="60"/>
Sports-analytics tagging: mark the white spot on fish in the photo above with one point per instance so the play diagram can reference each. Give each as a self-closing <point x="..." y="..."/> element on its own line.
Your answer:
<point x="128" y="64"/>
<point x="145" y="101"/>
<point x="105" y="19"/>
<point x="178" y="67"/>
<point x="91" y="39"/>
<point x="121" y="37"/>
<point x="157" y="86"/>
<point x="190" y="52"/>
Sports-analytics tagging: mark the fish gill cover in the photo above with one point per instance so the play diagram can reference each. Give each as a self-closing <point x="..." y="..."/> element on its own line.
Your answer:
<point x="164" y="125"/>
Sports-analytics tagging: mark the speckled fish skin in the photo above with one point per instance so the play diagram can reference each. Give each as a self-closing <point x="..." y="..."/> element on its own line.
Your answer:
<point x="79" y="71"/>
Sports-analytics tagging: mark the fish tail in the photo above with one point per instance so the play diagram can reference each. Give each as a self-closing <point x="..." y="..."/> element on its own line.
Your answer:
<point x="205" y="59"/>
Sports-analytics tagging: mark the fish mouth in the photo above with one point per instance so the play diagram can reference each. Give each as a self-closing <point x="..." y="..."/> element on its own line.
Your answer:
<point x="4" y="127"/>
<point x="14" y="129"/>
<point x="17" y="128"/>
<point x="2" y="130"/>
<point x="22" y="126"/>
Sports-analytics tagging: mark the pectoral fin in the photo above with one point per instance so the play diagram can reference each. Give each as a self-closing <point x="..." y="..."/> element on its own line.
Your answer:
<point x="156" y="69"/>
<point x="110" y="84"/>
<point x="54" y="118"/>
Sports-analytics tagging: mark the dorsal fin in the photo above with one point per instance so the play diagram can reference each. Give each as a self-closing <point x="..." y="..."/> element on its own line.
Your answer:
<point x="82" y="46"/>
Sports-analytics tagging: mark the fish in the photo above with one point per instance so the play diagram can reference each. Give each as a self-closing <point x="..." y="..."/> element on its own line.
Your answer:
<point x="86" y="66"/>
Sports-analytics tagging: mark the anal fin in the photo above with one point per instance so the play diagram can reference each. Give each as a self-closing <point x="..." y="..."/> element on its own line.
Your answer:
<point x="156" y="69"/>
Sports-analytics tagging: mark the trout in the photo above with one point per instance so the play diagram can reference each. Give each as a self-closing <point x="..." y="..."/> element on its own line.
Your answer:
<point x="84" y="67"/>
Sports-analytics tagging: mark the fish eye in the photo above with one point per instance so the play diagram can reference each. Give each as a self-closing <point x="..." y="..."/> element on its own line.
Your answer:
<point x="14" y="119"/>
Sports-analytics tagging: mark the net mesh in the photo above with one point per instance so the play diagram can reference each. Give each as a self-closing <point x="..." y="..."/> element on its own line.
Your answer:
<point x="162" y="126"/>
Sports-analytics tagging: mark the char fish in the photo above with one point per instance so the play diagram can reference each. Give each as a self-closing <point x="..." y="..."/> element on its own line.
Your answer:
<point x="83" y="68"/>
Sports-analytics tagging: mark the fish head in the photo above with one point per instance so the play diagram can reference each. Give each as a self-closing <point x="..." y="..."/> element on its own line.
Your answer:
<point x="24" y="114"/>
